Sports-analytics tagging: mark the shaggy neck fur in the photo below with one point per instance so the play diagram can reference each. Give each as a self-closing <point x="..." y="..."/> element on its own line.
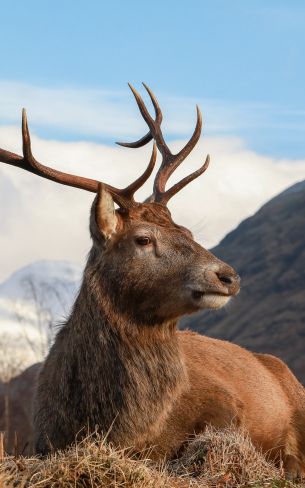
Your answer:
<point x="118" y="376"/>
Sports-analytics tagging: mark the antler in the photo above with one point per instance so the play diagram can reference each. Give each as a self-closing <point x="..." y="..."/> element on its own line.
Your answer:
<point x="169" y="161"/>
<point x="124" y="197"/>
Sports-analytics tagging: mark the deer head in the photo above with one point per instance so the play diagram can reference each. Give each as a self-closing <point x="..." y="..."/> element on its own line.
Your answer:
<point x="149" y="268"/>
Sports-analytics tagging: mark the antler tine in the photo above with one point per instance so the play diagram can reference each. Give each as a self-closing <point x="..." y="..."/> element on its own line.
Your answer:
<point x="26" y="140"/>
<point x="29" y="163"/>
<point x="140" y="143"/>
<point x="130" y="190"/>
<point x="170" y="161"/>
<point x="163" y="197"/>
<point x="154" y="125"/>
<point x="123" y="197"/>
<point x="185" y="151"/>
<point x="148" y="137"/>
<point x="196" y="134"/>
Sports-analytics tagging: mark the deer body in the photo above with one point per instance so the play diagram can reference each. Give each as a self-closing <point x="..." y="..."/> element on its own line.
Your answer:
<point x="230" y="385"/>
<point x="120" y="366"/>
<point x="125" y="369"/>
<point x="156" y="386"/>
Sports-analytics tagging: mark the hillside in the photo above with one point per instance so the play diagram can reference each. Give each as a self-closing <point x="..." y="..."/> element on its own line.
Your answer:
<point x="268" y="251"/>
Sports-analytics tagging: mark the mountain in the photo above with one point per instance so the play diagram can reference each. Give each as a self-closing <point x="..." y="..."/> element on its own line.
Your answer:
<point x="268" y="251"/>
<point x="32" y="301"/>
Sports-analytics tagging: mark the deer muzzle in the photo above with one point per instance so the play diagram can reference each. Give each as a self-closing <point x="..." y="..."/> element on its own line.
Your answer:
<point x="214" y="287"/>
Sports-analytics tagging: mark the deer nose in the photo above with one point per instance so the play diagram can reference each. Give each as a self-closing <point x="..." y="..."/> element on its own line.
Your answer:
<point x="230" y="279"/>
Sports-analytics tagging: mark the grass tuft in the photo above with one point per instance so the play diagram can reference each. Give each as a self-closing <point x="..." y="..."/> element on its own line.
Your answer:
<point x="226" y="458"/>
<point x="88" y="464"/>
<point x="214" y="459"/>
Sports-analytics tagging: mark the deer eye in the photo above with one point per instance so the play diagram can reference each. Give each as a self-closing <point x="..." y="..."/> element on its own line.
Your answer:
<point x="143" y="241"/>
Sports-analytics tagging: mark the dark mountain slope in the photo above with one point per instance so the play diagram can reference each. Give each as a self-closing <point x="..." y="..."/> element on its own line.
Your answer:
<point x="268" y="251"/>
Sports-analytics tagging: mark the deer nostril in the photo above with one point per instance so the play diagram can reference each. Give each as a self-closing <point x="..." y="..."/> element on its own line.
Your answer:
<point x="227" y="280"/>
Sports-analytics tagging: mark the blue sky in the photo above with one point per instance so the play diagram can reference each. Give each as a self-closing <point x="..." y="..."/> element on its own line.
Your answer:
<point x="242" y="60"/>
<point x="68" y="62"/>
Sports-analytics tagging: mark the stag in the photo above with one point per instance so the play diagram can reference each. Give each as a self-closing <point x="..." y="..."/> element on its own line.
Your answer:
<point x="119" y="365"/>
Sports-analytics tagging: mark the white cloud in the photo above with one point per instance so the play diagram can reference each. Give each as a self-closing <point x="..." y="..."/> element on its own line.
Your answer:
<point x="93" y="112"/>
<point x="104" y="113"/>
<point x="42" y="220"/>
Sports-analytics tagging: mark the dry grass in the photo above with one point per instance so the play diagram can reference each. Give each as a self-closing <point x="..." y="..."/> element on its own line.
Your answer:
<point x="214" y="459"/>
<point x="226" y="458"/>
<point x="87" y="464"/>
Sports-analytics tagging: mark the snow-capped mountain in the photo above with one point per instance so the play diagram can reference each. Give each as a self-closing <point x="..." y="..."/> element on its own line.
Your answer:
<point x="33" y="300"/>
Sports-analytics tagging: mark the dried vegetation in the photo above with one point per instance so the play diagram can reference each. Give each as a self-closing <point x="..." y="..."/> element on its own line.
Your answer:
<point x="215" y="459"/>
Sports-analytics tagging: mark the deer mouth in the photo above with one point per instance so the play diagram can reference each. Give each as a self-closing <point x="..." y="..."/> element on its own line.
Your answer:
<point x="209" y="299"/>
<point x="199" y="294"/>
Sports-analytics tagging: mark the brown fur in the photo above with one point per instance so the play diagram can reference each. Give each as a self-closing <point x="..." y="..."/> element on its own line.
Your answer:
<point x="120" y="366"/>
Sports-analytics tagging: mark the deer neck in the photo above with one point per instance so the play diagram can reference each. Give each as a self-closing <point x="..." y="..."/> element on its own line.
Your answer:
<point x="132" y="374"/>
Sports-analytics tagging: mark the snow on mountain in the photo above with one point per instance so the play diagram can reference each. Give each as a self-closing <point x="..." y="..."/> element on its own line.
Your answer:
<point x="33" y="300"/>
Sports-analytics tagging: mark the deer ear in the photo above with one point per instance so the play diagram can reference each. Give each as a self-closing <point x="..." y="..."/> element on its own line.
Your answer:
<point x="106" y="218"/>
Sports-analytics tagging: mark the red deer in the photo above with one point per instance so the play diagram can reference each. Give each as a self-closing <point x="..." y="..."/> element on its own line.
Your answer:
<point x="120" y="365"/>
